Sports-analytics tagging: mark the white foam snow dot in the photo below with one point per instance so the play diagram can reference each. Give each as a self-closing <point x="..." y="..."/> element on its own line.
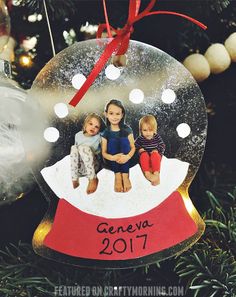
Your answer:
<point x="78" y="80"/>
<point x="168" y="96"/>
<point x="136" y="96"/>
<point x="51" y="134"/>
<point x="61" y="110"/>
<point x="112" y="72"/>
<point x="183" y="130"/>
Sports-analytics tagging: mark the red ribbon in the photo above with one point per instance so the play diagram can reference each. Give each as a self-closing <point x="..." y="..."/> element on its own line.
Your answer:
<point x="119" y="44"/>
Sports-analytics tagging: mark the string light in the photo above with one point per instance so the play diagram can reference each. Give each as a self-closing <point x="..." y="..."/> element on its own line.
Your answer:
<point x="25" y="61"/>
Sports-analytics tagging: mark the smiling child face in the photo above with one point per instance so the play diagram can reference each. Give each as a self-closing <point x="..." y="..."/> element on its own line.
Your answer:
<point x="92" y="127"/>
<point x="114" y="114"/>
<point x="147" y="131"/>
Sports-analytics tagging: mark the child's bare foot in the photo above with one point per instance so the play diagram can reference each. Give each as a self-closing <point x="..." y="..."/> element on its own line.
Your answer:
<point x="92" y="185"/>
<point x="75" y="183"/>
<point x="126" y="182"/>
<point x="156" y="180"/>
<point x="149" y="176"/>
<point x="118" y="187"/>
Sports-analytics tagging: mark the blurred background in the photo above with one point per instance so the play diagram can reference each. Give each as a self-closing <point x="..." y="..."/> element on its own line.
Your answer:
<point x="210" y="56"/>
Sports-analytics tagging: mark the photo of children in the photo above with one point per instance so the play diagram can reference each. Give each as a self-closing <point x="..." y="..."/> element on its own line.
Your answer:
<point x="150" y="147"/>
<point x="85" y="154"/>
<point x="118" y="145"/>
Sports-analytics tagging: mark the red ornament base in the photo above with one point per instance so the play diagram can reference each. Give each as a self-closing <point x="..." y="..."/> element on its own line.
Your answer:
<point x="87" y="236"/>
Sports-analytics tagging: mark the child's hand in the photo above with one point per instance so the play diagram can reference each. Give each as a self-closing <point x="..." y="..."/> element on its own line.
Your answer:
<point x="154" y="151"/>
<point x="116" y="157"/>
<point x="141" y="150"/>
<point x="123" y="159"/>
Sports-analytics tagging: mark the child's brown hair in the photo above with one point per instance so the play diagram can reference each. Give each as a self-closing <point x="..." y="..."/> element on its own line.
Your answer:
<point x="89" y="117"/>
<point x="149" y="120"/>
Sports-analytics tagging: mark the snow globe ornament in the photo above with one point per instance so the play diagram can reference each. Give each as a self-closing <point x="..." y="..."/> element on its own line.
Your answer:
<point x="104" y="213"/>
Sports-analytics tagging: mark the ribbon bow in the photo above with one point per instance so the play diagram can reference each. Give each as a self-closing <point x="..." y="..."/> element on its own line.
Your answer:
<point x="119" y="44"/>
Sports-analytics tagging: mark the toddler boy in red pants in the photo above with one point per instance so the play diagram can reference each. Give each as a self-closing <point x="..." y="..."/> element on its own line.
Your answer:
<point x="151" y="148"/>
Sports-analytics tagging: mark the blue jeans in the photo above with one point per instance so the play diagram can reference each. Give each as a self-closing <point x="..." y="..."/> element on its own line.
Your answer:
<point x="116" y="146"/>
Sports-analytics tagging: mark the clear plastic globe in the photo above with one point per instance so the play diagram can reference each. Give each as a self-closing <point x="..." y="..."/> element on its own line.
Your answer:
<point x="152" y="82"/>
<point x="4" y="25"/>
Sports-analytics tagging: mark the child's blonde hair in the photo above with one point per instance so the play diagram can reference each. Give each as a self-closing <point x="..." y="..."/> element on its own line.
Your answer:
<point x="149" y="120"/>
<point x="89" y="117"/>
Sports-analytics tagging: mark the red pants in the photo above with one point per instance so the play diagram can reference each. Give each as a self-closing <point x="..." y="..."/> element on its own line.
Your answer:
<point x="150" y="161"/>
